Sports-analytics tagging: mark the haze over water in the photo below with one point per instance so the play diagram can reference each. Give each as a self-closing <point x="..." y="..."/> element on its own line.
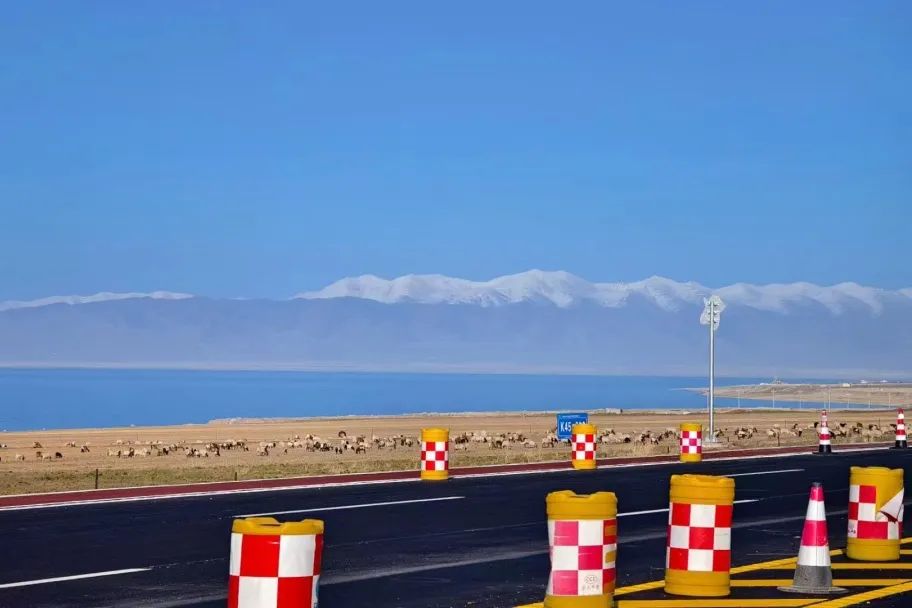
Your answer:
<point x="71" y="398"/>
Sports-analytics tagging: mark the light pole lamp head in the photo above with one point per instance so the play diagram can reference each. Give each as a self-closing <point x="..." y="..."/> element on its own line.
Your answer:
<point x="712" y="311"/>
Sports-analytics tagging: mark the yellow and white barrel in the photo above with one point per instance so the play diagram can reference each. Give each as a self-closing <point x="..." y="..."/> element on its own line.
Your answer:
<point x="875" y="513"/>
<point x="691" y="442"/>
<point x="435" y="454"/>
<point x="698" y="555"/>
<point x="582" y="534"/>
<point x="583" y="446"/>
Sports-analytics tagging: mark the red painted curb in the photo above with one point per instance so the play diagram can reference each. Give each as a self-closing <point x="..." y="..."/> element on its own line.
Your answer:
<point x="304" y="482"/>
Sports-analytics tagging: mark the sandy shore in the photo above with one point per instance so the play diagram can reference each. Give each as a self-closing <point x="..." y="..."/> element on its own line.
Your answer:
<point x="888" y="394"/>
<point x="76" y="467"/>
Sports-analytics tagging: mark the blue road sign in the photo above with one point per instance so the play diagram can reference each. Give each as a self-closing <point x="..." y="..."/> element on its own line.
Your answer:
<point x="565" y="422"/>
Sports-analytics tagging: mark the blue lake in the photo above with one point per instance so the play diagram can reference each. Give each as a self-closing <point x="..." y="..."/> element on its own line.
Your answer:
<point x="69" y="398"/>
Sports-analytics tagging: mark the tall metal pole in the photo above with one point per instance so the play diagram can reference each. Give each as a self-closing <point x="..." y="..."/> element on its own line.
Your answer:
<point x="712" y="310"/>
<point x="712" y="372"/>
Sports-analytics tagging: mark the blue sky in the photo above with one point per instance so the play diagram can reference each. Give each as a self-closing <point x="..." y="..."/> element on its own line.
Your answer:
<point x="260" y="150"/>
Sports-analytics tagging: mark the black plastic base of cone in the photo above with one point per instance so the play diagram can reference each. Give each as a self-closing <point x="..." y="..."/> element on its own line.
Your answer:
<point x="824" y="450"/>
<point x="814" y="590"/>
<point x="900" y="445"/>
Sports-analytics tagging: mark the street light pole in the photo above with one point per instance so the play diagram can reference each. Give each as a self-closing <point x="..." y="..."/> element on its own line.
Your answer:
<point x="712" y="380"/>
<point x="712" y="312"/>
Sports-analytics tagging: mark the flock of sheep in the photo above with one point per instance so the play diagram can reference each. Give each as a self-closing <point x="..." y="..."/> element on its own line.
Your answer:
<point x="361" y="444"/>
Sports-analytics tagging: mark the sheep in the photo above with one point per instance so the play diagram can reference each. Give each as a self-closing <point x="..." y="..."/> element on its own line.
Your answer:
<point x="20" y="458"/>
<point x="37" y="445"/>
<point x="84" y="449"/>
<point x="263" y="451"/>
<point x="58" y="455"/>
<point x="70" y="444"/>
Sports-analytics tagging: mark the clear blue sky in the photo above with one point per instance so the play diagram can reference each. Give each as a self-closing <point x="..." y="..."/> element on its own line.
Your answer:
<point x="261" y="149"/>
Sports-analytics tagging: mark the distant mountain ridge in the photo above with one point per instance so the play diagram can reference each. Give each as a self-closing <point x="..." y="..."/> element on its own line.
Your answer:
<point x="564" y="289"/>
<point x="104" y="296"/>
<point x="534" y="321"/>
<point x="560" y="288"/>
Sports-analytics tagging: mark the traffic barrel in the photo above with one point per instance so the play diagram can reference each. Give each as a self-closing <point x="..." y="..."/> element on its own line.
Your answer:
<point x="582" y="535"/>
<point x="813" y="574"/>
<point x="582" y="443"/>
<point x="900" y="429"/>
<point x="274" y="564"/>
<point x="698" y="554"/>
<point x="875" y="513"/>
<point x="435" y="454"/>
<point x="823" y="435"/>
<point x="691" y="442"/>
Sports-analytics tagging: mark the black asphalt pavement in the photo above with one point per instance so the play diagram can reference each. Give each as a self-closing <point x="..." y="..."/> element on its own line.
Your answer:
<point x="488" y="547"/>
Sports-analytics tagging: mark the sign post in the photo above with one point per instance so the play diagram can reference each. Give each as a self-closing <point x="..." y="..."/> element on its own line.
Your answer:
<point x="712" y="313"/>
<point x="565" y="423"/>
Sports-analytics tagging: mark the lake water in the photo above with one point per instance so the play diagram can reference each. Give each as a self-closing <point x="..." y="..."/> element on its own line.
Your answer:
<point x="36" y="399"/>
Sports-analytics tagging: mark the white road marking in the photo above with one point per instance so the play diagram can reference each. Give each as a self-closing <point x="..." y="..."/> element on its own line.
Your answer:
<point x="339" y="484"/>
<point x="762" y="473"/>
<point x="75" y="577"/>
<point x="336" y="578"/>
<point x="665" y="510"/>
<point x="360" y="506"/>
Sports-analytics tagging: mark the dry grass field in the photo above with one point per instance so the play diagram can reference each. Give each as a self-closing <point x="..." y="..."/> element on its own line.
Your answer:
<point x="159" y="455"/>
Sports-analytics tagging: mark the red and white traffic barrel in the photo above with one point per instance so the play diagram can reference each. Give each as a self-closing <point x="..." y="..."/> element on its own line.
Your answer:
<point x="691" y="442"/>
<point x="435" y="454"/>
<point x="582" y="445"/>
<point x="273" y="565"/>
<point x="582" y="534"/>
<point x="698" y="555"/>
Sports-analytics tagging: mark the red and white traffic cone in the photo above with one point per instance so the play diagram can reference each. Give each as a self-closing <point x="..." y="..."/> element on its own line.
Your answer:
<point x="900" y="429"/>
<point x="823" y="435"/>
<point x="812" y="573"/>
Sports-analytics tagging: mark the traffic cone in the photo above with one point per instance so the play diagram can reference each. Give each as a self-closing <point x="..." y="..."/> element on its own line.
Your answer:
<point x="823" y="435"/>
<point x="812" y="573"/>
<point x="900" y="429"/>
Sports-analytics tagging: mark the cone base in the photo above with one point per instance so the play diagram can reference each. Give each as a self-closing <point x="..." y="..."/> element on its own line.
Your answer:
<point x="814" y="590"/>
<point x="824" y="450"/>
<point x="900" y="445"/>
<point x="691" y="457"/>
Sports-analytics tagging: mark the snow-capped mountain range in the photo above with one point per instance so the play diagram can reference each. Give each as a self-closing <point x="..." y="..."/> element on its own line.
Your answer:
<point x="559" y="288"/>
<point x="104" y="296"/>
<point x="534" y="321"/>
<point x="564" y="290"/>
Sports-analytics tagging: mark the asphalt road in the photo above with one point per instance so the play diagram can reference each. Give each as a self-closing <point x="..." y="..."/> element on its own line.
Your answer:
<point x="471" y="542"/>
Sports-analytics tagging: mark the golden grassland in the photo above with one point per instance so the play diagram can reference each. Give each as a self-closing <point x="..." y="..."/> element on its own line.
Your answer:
<point x="77" y="470"/>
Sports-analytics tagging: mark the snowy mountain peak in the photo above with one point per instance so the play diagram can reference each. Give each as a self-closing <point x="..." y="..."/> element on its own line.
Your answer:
<point x="104" y="296"/>
<point x="564" y="289"/>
